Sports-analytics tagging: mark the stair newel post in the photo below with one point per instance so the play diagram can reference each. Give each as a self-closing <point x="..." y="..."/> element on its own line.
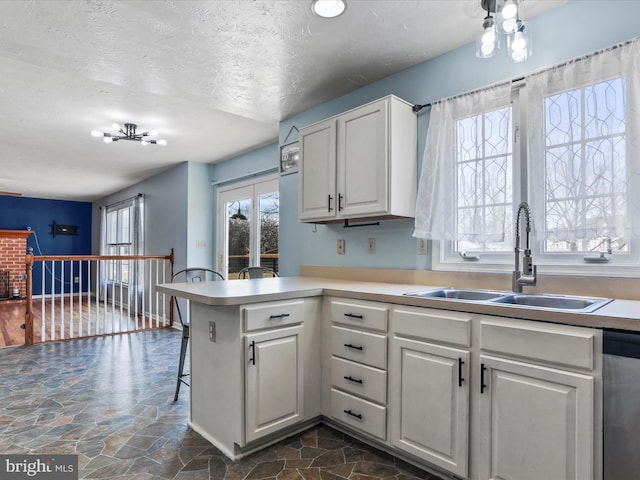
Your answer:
<point x="28" y="317"/>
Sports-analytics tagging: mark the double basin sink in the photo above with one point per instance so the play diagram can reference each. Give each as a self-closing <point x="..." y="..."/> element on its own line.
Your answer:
<point x="526" y="300"/>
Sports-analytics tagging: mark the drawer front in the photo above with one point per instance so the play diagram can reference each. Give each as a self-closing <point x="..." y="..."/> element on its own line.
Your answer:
<point x="361" y="380"/>
<point x="434" y="325"/>
<point x="557" y="344"/>
<point x="358" y="413"/>
<point x="272" y="314"/>
<point x="359" y="346"/>
<point x="360" y="315"/>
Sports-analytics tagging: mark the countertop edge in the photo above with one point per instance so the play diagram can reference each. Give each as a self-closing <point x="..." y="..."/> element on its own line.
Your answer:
<point x="618" y="314"/>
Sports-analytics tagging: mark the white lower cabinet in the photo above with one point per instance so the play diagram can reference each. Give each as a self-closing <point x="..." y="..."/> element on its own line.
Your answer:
<point x="535" y="422"/>
<point x="520" y="398"/>
<point x="355" y="365"/>
<point x="430" y="386"/>
<point x="255" y="371"/>
<point x="432" y="418"/>
<point x="274" y="381"/>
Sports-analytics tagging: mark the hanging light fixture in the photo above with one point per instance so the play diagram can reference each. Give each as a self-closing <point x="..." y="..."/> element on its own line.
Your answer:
<point x="129" y="133"/>
<point x="502" y="20"/>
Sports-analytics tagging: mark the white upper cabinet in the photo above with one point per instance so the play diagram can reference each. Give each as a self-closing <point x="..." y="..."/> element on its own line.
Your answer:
<point x="360" y="164"/>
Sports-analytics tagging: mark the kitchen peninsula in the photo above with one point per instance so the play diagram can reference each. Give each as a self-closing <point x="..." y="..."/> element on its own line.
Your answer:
<point x="419" y="377"/>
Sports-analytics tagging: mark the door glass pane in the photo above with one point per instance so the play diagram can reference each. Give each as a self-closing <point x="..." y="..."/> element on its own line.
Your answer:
<point x="269" y="224"/>
<point x="239" y="225"/>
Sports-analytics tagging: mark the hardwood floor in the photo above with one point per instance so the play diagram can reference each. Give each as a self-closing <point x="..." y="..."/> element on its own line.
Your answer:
<point x="59" y="323"/>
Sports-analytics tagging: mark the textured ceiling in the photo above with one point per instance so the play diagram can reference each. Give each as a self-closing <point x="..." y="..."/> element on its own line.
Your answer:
<point x="214" y="78"/>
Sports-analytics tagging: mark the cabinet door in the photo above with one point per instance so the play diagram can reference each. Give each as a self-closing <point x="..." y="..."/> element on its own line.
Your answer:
<point x="430" y="403"/>
<point x="535" y="422"/>
<point x="274" y="381"/>
<point x="317" y="176"/>
<point x="362" y="159"/>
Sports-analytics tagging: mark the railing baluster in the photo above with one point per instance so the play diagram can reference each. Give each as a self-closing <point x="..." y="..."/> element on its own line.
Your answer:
<point x="98" y="295"/>
<point x="80" y="313"/>
<point x="53" y="301"/>
<point x="150" y="306"/>
<point x="121" y="300"/>
<point x="61" y="302"/>
<point x="155" y="294"/>
<point x="71" y="284"/>
<point x="43" y="332"/>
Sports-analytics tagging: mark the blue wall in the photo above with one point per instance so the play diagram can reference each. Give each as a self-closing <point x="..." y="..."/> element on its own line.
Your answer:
<point x="19" y="213"/>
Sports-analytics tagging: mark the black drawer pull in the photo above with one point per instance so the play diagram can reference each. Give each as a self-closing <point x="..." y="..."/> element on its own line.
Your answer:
<point x="357" y="415"/>
<point x="482" y="384"/>
<point x="281" y="315"/>
<point x="352" y="315"/>
<point x="355" y="347"/>
<point x="355" y="380"/>
<point x="252" y="346"/>
<point x="460" y="379"/>
<point x="329" y="203"/>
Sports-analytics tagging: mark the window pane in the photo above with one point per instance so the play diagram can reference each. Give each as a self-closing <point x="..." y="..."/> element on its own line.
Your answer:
<point x="269" y="225"/>
<point x="586" y="174"/>
<point x="239" y="215"/>
<point x="112" y="227"/>
<point x="485" y="192"/>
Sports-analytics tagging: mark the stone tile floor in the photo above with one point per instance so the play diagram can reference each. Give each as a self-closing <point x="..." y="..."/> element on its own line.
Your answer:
<point x="110" y="401"/>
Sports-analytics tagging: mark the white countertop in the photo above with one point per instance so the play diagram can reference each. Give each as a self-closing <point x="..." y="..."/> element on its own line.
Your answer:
<point x="619" y="314"/>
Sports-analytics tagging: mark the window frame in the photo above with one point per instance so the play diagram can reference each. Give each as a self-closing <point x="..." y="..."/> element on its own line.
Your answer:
<point x="445" y="257"/>
<point x="116" y="268"/>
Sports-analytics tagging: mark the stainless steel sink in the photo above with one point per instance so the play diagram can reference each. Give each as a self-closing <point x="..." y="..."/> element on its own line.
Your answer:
<point x="459" y="294"/>
<point x="554" y="302"/>
<point x="526" y="300"/>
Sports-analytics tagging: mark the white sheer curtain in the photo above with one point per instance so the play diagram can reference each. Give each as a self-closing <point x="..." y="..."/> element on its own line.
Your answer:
<point x="584" y="139"/>
<point x="437" y="202"/>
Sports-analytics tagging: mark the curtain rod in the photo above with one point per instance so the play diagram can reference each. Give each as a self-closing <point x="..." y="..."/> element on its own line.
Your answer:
<point x="417" y="108"/>
<point x="121" y="202"/>
<point x="246" y="175"/>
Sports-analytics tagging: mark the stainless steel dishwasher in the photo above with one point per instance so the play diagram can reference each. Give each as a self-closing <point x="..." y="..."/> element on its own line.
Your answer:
<point x="621" y="383"/>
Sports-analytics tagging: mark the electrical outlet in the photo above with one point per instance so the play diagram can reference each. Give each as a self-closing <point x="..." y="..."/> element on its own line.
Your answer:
<point x="212" y="331"/>
<point x="76" y="279"/>
<point x="340" y="247"/>
<point x="372" y="245"/>
<point x="422" y="246"/>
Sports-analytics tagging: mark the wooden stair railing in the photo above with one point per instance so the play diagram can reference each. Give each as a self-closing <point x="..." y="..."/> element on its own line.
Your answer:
<point x="100" y="304"/>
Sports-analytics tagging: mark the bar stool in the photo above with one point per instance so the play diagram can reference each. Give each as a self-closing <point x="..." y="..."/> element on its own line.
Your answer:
<point x="195" y="274"/>
<point x="256" y="272"/>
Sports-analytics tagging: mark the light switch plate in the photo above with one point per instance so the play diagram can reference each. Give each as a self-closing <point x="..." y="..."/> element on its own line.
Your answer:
<point x="212" y="331"/>
<point x="372" y="245"/>
<point x="422" y="246"/>
<point x="340" y="247"/>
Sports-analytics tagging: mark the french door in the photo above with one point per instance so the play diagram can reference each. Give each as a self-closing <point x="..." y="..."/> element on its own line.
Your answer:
<point x="248" y="221"/>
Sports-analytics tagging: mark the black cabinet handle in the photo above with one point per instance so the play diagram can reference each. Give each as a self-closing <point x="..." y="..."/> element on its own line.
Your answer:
<point x="329" y="198"/>
<point x="355" y="380"/>
<point x="281" y="315"/>
<point x="482" y="385"/>
<point x="353" y="315"/>
<point x="252" y="346"/>
<point x="460" y="379"/>
<point x="355" y="347"/>
<point x="357" y="415"/>
<point x="340" y="197"/>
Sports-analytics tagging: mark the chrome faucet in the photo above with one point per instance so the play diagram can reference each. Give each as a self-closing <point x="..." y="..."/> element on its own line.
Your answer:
<point x="528" y="276"/>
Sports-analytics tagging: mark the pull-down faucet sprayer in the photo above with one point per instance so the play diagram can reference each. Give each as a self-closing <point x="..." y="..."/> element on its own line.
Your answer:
<point x="528" y="276"/>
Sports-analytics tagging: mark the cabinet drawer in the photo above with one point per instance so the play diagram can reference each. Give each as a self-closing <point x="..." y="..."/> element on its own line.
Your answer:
<point x="272" y="314"/>
<point x="360" y="315"/>
<point x="359" y="413"/>
<point x="359" y="346"/>
<point x="558" y="344"/>
<point x="361" y="380"/>
<point x="436" y="325"/>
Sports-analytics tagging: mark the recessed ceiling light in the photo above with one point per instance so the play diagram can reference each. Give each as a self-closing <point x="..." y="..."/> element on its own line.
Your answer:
<point x="328" y="8"/>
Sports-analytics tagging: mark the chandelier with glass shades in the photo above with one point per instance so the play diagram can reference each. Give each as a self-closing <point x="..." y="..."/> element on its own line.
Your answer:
<point x="503" y="23"/>
<point x="129" y="133"/>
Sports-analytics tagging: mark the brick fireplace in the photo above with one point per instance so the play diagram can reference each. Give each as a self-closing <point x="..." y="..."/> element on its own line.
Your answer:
<point x="13" y="248"/>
